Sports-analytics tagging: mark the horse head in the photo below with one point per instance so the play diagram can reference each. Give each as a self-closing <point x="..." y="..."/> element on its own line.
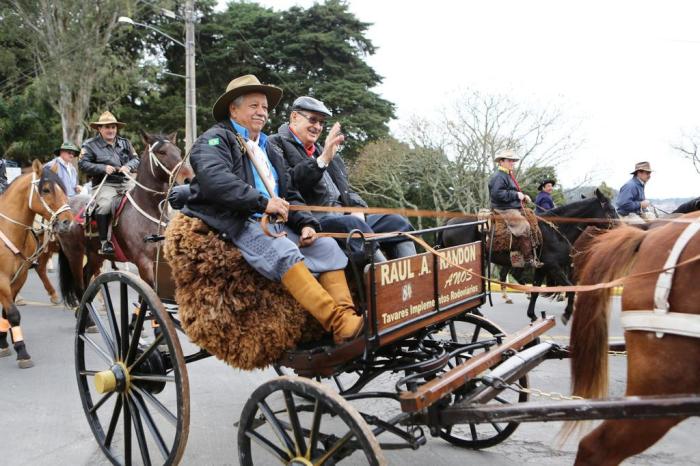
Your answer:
<point x="47" y="197"/>
<point x="163" y="158"/>
<point x="607" y="210"/>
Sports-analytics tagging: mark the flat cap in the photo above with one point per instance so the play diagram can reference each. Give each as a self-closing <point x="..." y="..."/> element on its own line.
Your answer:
<point x="313" y="105"/>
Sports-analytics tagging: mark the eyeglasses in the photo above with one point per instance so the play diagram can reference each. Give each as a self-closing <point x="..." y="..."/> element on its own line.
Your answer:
<point x="313" y="119"/>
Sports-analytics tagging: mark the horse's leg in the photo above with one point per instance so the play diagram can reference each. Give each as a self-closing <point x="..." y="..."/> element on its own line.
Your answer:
<point x="41" y="271"/>
<point x="614" y="440"/>
<point x="12" y="315"/>
<point x="4" y="328"/>
<point x="569" y="307"/>
<point x="536" y="281"/>
<point x="503" y="277"/>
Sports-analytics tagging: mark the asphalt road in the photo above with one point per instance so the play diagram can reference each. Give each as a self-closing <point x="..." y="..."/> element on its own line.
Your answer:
<point x="42" y="421"/>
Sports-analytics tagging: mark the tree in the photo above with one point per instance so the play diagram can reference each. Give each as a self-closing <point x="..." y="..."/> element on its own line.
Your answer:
<point x="688" y="147"/>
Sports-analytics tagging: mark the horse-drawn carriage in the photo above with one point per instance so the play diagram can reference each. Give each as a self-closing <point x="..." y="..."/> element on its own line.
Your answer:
<point x="450" y="370"/>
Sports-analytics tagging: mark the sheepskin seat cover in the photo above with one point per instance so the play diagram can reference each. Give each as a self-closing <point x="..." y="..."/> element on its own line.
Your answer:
<point x="501" y="237"/>
<point x="225" y="306"/>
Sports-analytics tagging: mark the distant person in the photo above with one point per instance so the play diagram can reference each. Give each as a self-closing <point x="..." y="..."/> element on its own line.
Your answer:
<point x="112" y="156"/>
<point x="66" y="170"/>
<point x="507" y="200"/>
<point x="544" y="202"/>
<point x="322" y="179"/>
<point x="3" y="174"/>
<point x="631" y="201"/>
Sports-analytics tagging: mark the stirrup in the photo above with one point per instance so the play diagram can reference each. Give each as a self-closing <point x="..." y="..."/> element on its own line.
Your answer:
<point x="107" y="249"/>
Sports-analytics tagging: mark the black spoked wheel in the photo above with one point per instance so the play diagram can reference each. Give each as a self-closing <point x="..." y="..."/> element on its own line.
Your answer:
<point x="131" y="375"/>
<point x="474" y="329"/>
<point x="297" y="421"/>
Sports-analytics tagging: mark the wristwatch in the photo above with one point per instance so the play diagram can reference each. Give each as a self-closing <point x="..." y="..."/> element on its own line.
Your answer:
<point x="321" y="163"/>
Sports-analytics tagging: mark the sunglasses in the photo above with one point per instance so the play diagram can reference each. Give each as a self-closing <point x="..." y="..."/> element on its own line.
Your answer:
<point x="313" y="119"/>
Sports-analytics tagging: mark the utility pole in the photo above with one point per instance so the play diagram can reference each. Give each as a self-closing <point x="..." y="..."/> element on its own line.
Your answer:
<point x="190" y="92"/>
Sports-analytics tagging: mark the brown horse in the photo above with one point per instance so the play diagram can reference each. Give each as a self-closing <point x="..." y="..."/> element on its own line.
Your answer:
<point x="37" y="193"/>
<point x="140" y="217"/>
<point x="656" y="365"/>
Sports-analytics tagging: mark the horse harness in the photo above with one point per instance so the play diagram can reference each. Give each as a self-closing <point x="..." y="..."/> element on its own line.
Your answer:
<point x="660" y="320"/>
<point x="47" y="228"/>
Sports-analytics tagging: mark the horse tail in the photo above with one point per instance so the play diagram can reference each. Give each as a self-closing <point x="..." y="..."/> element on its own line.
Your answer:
<point x="71" y="290"/>
<point x="610" y="258"/>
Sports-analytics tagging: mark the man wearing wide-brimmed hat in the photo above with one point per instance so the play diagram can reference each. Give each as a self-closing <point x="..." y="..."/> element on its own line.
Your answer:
<point x="543" y="201"/>
<point x="507" y="200"/>
<point x="64" y="167"/>
<point x="112" y="156"/>
<point x="238" y="178"/>
<point x="322" y="179"/>
<point x="631" y="200"/>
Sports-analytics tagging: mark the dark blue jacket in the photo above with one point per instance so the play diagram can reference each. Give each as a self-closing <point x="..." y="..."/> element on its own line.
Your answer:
<point x="630" y="197"/>
<point x="543" y="202"/>
<point x="503" y="191"/>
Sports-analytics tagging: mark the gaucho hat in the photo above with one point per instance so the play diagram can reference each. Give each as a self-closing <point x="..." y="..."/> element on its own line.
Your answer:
<point x="540" y="187"/>
<point x="507" y="154"/>
<point x="67" y="146"/>
<point x="313" y="105"/>
<point x="641" y="166"/>
<point x="244" y="85"/>
<point x="106" y="119"/>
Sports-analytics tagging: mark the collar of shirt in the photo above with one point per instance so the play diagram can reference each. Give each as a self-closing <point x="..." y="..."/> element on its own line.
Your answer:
<point x="504" y="169"/>
<point x="104" y="143"/>
<point x="309" y="150"/>
<point x="639" y="181"/>
<point x="243" y="131"/>
<point x="63" y="162"/>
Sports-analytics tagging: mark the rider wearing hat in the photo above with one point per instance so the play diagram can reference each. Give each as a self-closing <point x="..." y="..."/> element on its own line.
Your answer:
<point x="507" y="200"/>
<point x="322" y="179"/>
<point x="239" y="177"/>
<point x="66" y="171"/>
<point x="543" y="201"/>
<point x="631" y="201"/>
<point x="112" y="156"/>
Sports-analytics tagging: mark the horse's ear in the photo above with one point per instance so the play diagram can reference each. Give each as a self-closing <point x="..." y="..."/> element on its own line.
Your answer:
<point x="37" y="167"/>
<point x="54" y="168"/>
<point x="145" y="137"/>
<point x="601" y="197"/>
<point x="583" y="196"/>
<point x="172" y="137"/>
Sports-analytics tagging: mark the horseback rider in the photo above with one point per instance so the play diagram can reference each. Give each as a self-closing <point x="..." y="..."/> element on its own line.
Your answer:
<point x="112" y="156"/>
<point x="507" y="200"/>
<point x="322" y="179"/>
<point x="238" y="178"/>
<point x="631" y="200"/>
<point x="66" y="171"/>
<point x="543" y="200"/>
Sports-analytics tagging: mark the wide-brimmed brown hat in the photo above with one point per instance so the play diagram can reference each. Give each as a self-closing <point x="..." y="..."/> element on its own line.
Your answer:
<point x="106" y="119"/>
<point x="245" y="85"/>
<point x="508" y="154"/>
<point x="641" y="167"/>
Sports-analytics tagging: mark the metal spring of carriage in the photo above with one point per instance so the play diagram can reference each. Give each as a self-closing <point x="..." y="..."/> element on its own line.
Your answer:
<point x="455" y="374"/>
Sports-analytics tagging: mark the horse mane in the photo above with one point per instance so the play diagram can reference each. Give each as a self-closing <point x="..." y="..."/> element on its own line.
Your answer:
<point x="688" y="206"/>
<point x="572" y="209"/>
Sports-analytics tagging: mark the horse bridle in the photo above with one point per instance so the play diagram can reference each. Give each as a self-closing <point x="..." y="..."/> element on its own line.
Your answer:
<point x="54" y="214"/>
<point x="152" y="157"/>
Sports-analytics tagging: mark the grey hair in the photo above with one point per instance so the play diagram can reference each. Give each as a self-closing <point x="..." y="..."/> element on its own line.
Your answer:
<point x="238" y="100"/>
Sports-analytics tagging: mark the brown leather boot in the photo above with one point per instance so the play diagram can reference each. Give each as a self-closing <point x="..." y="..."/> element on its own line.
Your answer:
<point x="525" y="244"/>
<point x="336" y="317"/>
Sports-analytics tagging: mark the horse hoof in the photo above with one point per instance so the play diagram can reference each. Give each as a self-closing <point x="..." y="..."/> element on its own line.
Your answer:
<point x="564" y="319"/>
<point x="4" y="352"/>
<point x="55" y="300"/>
<point x="25" y="363"/>
<point x="509" y="301"/>
<point x="91" y="329"/>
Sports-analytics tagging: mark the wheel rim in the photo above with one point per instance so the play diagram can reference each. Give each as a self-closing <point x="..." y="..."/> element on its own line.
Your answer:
<point x="135" y="396"/>
<point x="301" y="422"/>
<point x="473" y="329"/>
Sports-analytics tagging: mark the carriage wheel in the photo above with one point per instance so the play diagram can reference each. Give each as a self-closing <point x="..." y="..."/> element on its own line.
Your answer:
<point x="469" y="329"/>
<point x="134" y="394"/>
<point x="298" y="421"/>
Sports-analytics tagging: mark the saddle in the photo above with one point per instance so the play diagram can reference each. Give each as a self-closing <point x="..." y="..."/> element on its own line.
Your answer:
<point x="225" y="306"/>
<point x="90" y="224"/>
<point x="503" y="240"/>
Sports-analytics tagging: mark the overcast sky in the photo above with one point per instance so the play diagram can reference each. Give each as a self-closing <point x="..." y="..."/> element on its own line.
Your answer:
<point x="627" y="71"/>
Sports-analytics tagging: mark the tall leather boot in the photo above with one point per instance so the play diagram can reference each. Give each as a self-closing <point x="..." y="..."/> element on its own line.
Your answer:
<point x="339" y="319"/>
<point x="336" y="285"/>
<point x="103" y="229"/>
<point x="528" y="252"/>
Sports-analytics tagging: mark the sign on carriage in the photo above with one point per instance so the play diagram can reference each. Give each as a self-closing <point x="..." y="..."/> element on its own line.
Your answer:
<point x="406" y="288"/>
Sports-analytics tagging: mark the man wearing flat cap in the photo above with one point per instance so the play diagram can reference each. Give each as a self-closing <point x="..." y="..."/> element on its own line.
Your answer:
<point x="112" y="156"/>
<point x="544" y="202"/>
<point x="322" y="179"/>
<point x="631" y="200"/>
<point x="64" y="167"/>
<point x="507" y="200"/>
<point x="238" y="178"/>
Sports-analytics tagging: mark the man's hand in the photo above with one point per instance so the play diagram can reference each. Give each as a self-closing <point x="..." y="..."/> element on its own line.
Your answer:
<point x="109" y="169"/>
<point x="78" y="188"/>
<point x="334" y="139"/>
<point x="308" y="236"/>
<point x="524" y="197"/>
<point x="644" y="204"/>
<point x="527" y="199"/>
<point x="278" y="206"/>
<point x="126" y="170"/>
